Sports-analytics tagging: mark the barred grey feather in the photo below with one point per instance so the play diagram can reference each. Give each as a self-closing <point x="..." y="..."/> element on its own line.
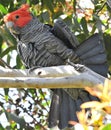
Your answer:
<point x="38" y="45"/>
<point x="37" y="41"/>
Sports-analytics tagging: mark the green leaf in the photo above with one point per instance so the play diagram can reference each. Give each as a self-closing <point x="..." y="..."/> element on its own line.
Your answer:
<point x="1" y="40"/>
<point x="62" y="1"/>
<point x="74" y="5"/>
<point x="37" y="127"/>
<point x="107" y="127"/>
<point x="84" y="26"/>
<point x="13" y="125"/>
<point x="17" y="119"/>
<point x="18" y="62"/>
<point x="7" y="51"/>
<point x="76" y="24"/>
<point x="48" y="5"/>
<point x="8" y="59"/>
<point x="7" y="37"/>
<point x="32" y="91"/>
<point x="107" y="41"/>
<point x="1" y="127"/>
<point x="6" y="90"/>
<point x="3" y="9"/>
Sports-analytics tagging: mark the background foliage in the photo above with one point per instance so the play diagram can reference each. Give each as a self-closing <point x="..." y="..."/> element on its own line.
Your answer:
<point x="83" y="18"/>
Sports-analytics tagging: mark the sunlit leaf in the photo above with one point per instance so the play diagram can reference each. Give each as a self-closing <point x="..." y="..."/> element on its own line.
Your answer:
<point x="107" y="127"/>
<point x="7" y="51"/>
<point x="91" y="104"/>
<point x="3" y="9"/>
<point x="6" y="90"/>
<point x="82" y="118"/>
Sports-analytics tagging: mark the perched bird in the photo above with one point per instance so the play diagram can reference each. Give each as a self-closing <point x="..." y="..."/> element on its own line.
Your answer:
<point x="44" y="45"/>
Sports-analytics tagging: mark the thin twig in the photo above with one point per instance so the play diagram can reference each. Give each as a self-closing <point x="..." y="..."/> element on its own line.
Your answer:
<point x="4" y="63"/>
<point x="101" y="7"/>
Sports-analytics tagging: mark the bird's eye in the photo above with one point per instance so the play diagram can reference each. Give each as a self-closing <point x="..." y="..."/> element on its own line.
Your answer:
<point x="17" y="16"/>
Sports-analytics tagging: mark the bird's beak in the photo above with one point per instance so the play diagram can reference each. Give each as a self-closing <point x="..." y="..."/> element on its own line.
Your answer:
<point x="8" y="21"/>
<point x="9" y="24"/>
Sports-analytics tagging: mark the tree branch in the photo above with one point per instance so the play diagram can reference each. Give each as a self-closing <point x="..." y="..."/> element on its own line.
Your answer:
<point x="51" y="77"/>
<point x="58" y="71"/>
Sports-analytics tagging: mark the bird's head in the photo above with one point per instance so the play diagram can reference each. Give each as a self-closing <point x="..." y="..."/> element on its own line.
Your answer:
<point x="18" y="19"/>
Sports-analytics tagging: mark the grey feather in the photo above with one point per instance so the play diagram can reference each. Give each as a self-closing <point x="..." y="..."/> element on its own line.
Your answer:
<point x="38" y="45"/>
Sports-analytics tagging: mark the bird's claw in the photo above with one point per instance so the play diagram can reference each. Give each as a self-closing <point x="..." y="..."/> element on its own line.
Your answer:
<point x="78" y="67"/>
<point x="32" y="69"/>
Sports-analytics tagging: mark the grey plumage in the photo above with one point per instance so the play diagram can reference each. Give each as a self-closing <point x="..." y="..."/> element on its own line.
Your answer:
<point x="39" y="47"/>
<point x="42" y="45"/>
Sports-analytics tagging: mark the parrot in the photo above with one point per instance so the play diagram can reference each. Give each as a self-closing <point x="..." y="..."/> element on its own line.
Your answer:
<point x="44" y="45"/>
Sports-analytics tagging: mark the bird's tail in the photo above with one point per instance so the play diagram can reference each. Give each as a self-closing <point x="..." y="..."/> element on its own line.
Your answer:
<point x="63" y="107"/>
<point x="92" y="54"/>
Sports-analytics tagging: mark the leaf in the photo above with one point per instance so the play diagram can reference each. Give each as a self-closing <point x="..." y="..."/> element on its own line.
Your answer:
<point x="6" y="90"/>
<point x="13" y="124"/>
<point x="96" y="118"/>
<point x="74" y="5"/>
<point x="32" y="91"/>
<point x="96" y="91"/>
<point x="7" y="37"/>
<point x="107" y="39"/>
<point x="13" y="117"/>
<point x="76" y="23"/>
<point x="106" y="87"/>
<point x="98" y="23"/>
<point x="62" y="1"/>
<point x="8" y="59"/>
<point x="1" y="40"/>
<point x="72" y="122"/>
<point x="84" y="26"/>
<point x="18" y="62"/>
<point x="107" y="127"/>
<point x="1" y="127"/>
<point x="37" y="127"/>
<point x="91" y="104"/>
<point x="3" y="9"/>
<point x="48" y="4"/>
<point x="82" y="120"/>
<point x="7" y="51"/>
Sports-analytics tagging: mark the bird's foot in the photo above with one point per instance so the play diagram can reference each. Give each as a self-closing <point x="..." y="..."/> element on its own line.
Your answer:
<point x="33" y="68"/>
<point x="78" y="67"/>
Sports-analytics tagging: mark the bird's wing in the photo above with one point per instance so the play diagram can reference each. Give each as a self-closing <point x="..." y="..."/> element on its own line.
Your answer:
<point x="62" y="31"/>
<point x="91" y="51"/>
